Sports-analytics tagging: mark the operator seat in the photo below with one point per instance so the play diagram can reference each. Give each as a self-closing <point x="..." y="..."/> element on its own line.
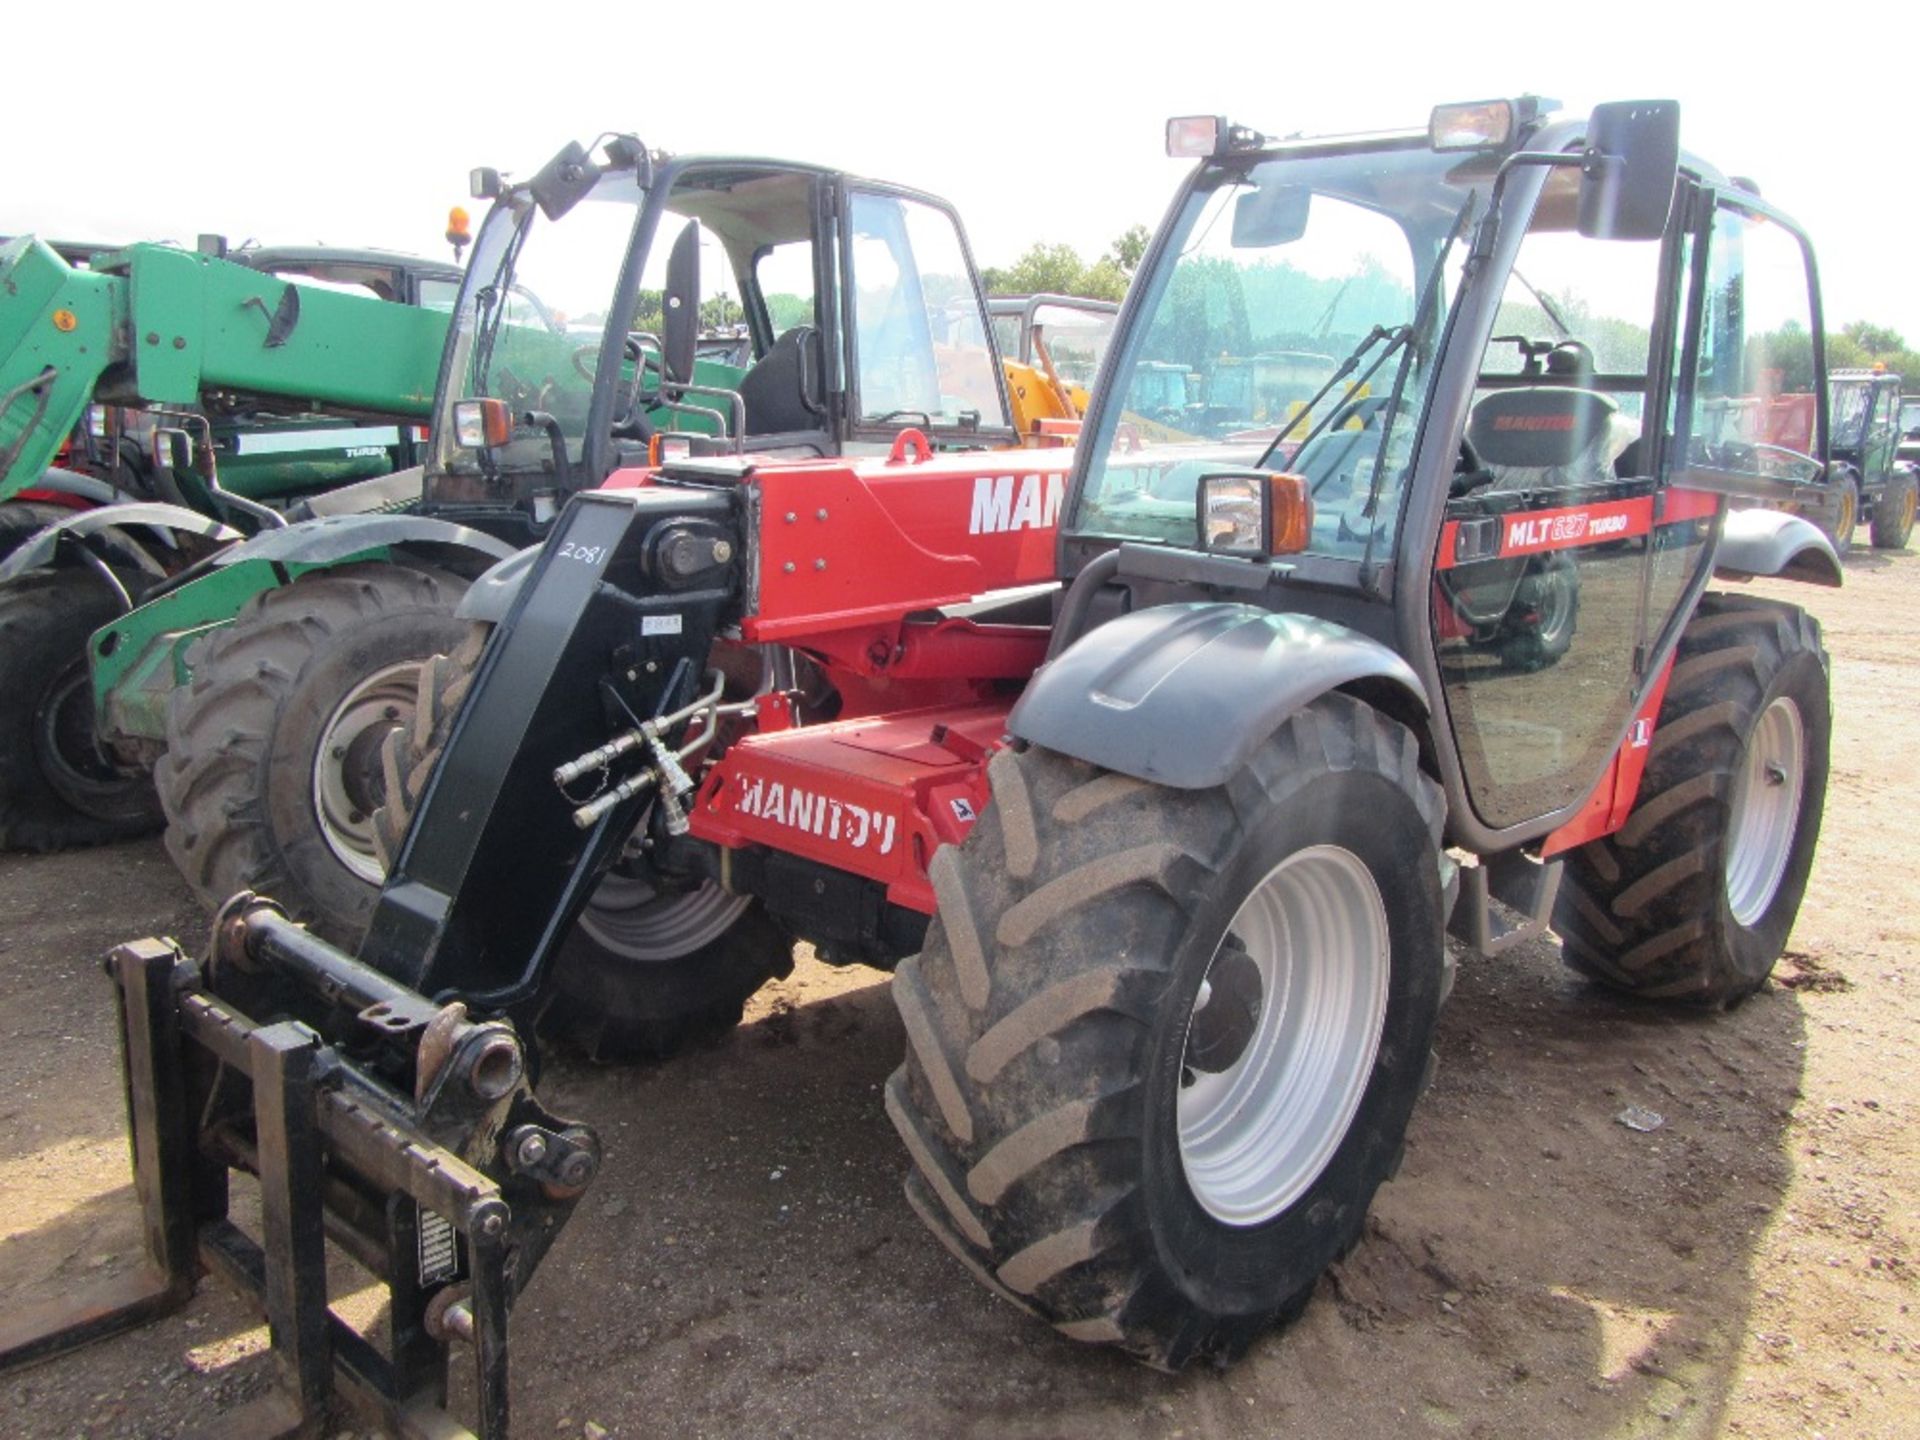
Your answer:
<point x="1546" y="436"/>
<point x="776" y="390"/>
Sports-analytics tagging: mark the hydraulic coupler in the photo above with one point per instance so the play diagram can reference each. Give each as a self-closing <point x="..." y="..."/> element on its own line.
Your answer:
<point x="403" y="1131"/>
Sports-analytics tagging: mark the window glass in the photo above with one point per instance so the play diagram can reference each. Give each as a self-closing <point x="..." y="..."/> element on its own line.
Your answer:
<point x="1538" y="583"/>
<point x="1075" y="340"/>
<point x="1287" y="271"/>
<point x="784" y="275"/>
<point x="920" y="340"/>
<point x="439" y="294"/>
<point x="1754" y="410"/>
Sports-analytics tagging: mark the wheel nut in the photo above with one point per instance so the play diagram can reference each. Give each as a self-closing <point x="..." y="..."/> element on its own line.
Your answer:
<point x="533" y="1149"/>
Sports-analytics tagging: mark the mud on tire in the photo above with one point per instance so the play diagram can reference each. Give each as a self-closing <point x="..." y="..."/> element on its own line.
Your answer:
<point x="637" y="979"/>
<point x="1670" y="906"/>
<point x="1055" y="1021"/>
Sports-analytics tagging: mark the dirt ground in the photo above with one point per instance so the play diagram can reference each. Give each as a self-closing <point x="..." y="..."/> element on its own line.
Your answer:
<point x="747" y="1266"/>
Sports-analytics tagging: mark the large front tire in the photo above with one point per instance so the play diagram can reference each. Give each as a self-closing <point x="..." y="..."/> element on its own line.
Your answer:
<point x="272" y="771"/>
<point x="1693" y="897"/>
<point x="57" y="789"/>
<point x="1163" y="1045"/>
<point x="648" y="969"/>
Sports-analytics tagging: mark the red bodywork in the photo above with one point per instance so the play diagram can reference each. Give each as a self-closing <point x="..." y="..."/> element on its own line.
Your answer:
<point x="856" y="559"/>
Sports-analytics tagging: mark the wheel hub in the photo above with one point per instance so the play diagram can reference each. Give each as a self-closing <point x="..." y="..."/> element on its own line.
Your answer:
<point x="636" y="921"/>
<point x="348" y="784"/>
<point x="1283" y="1035"/>
<point x="1765" y="810"/>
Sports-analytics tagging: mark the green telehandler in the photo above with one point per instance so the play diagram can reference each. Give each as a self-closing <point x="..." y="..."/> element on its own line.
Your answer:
<point x="155" y="405"/>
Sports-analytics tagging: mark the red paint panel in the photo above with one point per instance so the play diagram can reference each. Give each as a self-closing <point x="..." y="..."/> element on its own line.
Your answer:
<point x="55" y="497"/>
<point x="1612" y="799"/>
<point x="875" y="797"/>
<point x="1683" y="504"/>
<point x="849" y="543"/>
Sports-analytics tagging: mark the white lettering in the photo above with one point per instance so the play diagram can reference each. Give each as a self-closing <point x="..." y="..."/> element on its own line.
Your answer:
<point x="992" y="505"/>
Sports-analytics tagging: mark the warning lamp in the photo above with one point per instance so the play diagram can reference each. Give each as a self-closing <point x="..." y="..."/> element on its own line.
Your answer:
<point x="1254" y="516"/>
<point x="459" y="230"/>
<point x="481" y="424"/>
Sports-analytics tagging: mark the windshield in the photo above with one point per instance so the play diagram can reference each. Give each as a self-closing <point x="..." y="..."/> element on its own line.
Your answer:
<point x="1847" y="413"/>
<point x="1296" y="331"/>
<point x="1075" y="339"/>
<point x="530" y="318"/>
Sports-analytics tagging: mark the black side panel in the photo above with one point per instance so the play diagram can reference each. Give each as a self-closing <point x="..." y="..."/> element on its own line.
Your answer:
<point x="1182" y="694"/>
<point x="494" y="872"/>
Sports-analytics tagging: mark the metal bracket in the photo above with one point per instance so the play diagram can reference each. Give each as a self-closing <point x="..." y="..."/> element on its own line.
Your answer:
<point x="396" y="1157"/>
<point x="1520" y="883"/>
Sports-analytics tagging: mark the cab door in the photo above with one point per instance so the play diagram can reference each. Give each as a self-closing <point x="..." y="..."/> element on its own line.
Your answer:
<point x="1540" y="589"/>
<point x="919" y="350"/>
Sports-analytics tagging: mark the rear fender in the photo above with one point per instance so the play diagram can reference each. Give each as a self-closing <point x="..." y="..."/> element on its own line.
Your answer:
<point x="1757" y="542"/>
<point x="1182" y="695"/>
<point x="333" y="539"/>
<point x="113" y="531"/>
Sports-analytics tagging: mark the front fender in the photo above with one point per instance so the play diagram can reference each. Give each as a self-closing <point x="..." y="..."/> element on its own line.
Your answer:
<point x="490" y="596"/>
<point x="39" y="551"/>
<point x="339" y="537"/>
<point x="1182" y="695"/>
<point x="1767" y="542"/>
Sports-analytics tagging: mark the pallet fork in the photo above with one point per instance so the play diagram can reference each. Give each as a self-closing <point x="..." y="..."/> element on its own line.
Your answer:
<point x="398" y="1129"/>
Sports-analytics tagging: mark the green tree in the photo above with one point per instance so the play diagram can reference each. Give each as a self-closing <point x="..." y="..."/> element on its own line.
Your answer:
<point x="1128" y="250"/>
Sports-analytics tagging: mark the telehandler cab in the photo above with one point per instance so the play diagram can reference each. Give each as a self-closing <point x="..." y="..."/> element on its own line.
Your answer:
<point x="1159" y="770"/>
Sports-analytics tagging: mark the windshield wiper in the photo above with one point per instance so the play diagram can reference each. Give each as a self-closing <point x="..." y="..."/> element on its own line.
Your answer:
<point x="1422" y="317"/>
<point x="1552" y="311"/>
<point x="491" y="309"/>
<point x="1395" y="335"/>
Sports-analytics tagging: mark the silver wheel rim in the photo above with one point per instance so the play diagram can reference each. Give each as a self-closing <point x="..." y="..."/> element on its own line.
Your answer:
<point x="1270" y="1083"/>
<point x="629" y="917"/>
<point x="350" y="742"/>
<point x="1556" y="615"/>
<point x="1766" y="810"/>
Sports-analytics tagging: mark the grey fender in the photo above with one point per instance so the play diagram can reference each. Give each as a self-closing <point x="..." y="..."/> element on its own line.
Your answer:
<point x="490" y="596"/>
<point x="71" y="482"/>
<point x="340" y="537"/>
<point x="1768" y="542"/>
<point x="172" y="520"/>
<point x="1182" y="695"/>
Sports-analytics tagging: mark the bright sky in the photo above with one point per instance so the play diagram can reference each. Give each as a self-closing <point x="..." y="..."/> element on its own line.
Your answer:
<point x="355" y="123"/>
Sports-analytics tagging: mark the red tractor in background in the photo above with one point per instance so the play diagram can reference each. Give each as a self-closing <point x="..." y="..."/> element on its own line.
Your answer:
<point x="1154" y="770"/>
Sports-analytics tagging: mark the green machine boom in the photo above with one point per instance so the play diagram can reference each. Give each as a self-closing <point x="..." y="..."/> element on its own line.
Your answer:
<point x="152" y="326"/>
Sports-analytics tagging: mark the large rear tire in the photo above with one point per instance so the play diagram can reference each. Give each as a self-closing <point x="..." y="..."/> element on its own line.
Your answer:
<point x="21" y="520"/>
<point x="1163" y="1045"/>
<point x="57" y="790"/>
<point x="272" y="771"/>
<point x="1692" y="898"/>
<point x="648" y="969"/>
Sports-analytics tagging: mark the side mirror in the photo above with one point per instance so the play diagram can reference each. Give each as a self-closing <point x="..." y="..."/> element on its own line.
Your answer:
<point x="1253" y="515"/>
<point x="681" y="305"/>
<point x="1271" y="215"/>
<point x="1628" y="171"/>
<point x="564" y="181"/>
